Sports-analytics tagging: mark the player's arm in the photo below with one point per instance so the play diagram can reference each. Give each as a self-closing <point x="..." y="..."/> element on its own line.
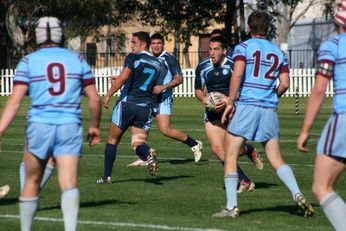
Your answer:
<point x="234" y="85"/>
<point x="94" y="133"/>
<point x="116" y="85"/>
<point x="177" y="80"/>
<point x="284" y="84"/>
<point x="313" y="107"/>
<point x="11" y="107"/>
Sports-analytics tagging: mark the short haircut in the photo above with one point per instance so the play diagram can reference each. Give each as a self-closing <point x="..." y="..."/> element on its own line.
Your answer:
<point x="158" y="36"/>
<point x="219" y="39"/>
<point x="143" y="36"/>
<point x="259" y="22"/>
<point x="216" y="32"/>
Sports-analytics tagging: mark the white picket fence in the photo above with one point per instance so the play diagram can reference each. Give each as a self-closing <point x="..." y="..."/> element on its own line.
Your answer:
<point x="301" y="82"/>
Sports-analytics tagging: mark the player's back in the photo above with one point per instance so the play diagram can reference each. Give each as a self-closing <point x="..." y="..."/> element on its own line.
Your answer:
<point x="264" y="63"/>
<point x="55" y="77"/>
<point x="147" y="71"/>
<point x="215" y="77"/>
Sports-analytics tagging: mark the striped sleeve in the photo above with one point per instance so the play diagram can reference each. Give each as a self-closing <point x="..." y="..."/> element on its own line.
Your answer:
<point x="22" y="74"/>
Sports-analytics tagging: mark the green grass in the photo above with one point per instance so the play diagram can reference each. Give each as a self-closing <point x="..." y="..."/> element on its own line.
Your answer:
<point x="184" y="195"/>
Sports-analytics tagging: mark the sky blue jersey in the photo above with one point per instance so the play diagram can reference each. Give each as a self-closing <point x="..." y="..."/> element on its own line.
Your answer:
<point x="215" y="78"/>
<point x="147" y="71"/>
<point x="264" y="63"/>
<point x="333" y="52"/>
<point x="173" y="69"/>
<point x="55" y="77"/>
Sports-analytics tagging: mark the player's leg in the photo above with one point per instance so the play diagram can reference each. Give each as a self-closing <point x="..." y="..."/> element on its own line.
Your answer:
<point x="121" y="117"/>
<point x="254" y="156"/>
<point x="28" y="200"/>
<point x="285" y="173"/>
<point x="68" y="167"/>
<point x="234" y="144"/>
<point x="143" y="150"/>
<point x="46" y="175"/>
<point x="326" y="173"/>
<point x="163" y="118"/>
<point x="216" y="137"/>
<point x="114" y="136"/>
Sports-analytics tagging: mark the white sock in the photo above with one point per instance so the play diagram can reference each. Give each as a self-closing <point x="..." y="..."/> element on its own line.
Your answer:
<point x="335" y="209"/>
<point x="70" y="208"/>
<point x="27" y="210"/>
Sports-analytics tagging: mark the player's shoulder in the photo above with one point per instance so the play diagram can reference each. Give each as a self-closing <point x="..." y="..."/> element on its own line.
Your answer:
<point x="204" y="63"/>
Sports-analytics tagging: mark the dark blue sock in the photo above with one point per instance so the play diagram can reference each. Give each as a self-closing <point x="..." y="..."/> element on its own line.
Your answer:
<point x="191" y="142"/>
<point x="143" y="151"/>
<point x="242" y="175"/>
<point x="249" y="150"/>
<point x="110" y="155"/>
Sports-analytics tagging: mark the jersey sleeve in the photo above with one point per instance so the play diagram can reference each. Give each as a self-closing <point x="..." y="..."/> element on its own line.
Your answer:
<point x="285" y="64"/>
<point x="174" y="66"/>
<point x="326" y="58"/>
<point x="130" y="62"/>
<point x="87" y="75"/>
<point x="199" y="83"/>
<point x="239" y="53"/>
<point x="22" y="73"/>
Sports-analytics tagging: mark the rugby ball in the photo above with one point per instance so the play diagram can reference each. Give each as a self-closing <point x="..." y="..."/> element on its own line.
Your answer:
<point x="212" y="99"/>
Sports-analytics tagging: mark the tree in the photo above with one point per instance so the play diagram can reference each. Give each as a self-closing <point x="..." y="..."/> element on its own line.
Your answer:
<point x="183" y="18"/>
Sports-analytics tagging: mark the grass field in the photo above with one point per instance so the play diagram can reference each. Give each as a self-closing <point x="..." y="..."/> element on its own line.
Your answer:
<point x="184" y="195"/>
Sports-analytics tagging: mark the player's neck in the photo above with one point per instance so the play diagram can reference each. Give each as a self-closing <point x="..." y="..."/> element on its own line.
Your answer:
<point x="258" y="36"/>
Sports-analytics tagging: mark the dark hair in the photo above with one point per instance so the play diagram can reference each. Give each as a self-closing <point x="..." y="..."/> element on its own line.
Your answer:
<point x="216" y="31"/>
<point x="259" y="22"/>
<point x="142" y="36"/>
<point x="221" y="40"/>
<point x="158" y="36"/>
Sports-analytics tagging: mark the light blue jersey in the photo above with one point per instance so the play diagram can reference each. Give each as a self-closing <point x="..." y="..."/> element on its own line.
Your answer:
<point x="55" y="77"/>
<point x="264" y="63"/>
<point x="333" y="52"/>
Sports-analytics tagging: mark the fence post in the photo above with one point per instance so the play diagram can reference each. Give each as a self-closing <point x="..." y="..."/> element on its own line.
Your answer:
<point x="297" y="100"/>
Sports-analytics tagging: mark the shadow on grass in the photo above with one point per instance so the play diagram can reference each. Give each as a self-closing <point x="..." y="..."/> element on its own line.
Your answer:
<point x="9" y="201"/>
<point x="91" y="204"/>
<point x="290" y="209"/>
<point x="183" y="161"/>
<point x="154" y="180"/>
<point x="263" y="185"/>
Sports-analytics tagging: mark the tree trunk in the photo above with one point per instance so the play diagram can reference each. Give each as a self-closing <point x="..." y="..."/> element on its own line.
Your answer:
<point x="187" y="44"/>
<point x="283" y="25"/>
<point x="14" y="31"/>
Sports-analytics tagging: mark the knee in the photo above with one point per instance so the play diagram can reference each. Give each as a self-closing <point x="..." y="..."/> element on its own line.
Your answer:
<point x="320" y="191"/>
<point x="216" y="149"/>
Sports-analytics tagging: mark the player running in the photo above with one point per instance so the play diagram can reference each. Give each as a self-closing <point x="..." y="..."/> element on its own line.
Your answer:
<point x="330" y="161"/>
<point x="141" y="72"/>
<point x="163" y="113"/>
<point x="213" y="75"/>
<point x="258" y="64"/>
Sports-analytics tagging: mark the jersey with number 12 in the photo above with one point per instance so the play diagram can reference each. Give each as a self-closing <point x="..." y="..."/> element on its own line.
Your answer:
<point x="264" y="62"/>
<point x="55" y="77"/>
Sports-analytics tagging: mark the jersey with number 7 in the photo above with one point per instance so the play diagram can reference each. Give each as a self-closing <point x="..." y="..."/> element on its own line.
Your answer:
<point x="264" y="63"/>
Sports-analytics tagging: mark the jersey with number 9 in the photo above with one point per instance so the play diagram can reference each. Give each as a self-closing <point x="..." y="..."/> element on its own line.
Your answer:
<point x="55" y="77"/>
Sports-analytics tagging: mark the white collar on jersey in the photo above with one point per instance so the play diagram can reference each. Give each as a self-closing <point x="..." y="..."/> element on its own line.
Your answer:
<point x="223" y="62"/>
<point x="145" y="52"/>
<point x="163" y="53"/>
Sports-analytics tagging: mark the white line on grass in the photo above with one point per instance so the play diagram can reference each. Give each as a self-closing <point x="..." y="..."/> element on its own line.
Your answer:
<point x="121" y="224"/>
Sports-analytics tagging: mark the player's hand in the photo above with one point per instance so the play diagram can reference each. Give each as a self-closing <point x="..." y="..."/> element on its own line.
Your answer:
<point x="94" y="136"/>
<point x="205" y="104"/>
<point x="220" y="106"/>
<point x="105" y="101"/>
<point x="158" y="89"/>
<point x="302" y="141"/>
<point x="228" y="113"/>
